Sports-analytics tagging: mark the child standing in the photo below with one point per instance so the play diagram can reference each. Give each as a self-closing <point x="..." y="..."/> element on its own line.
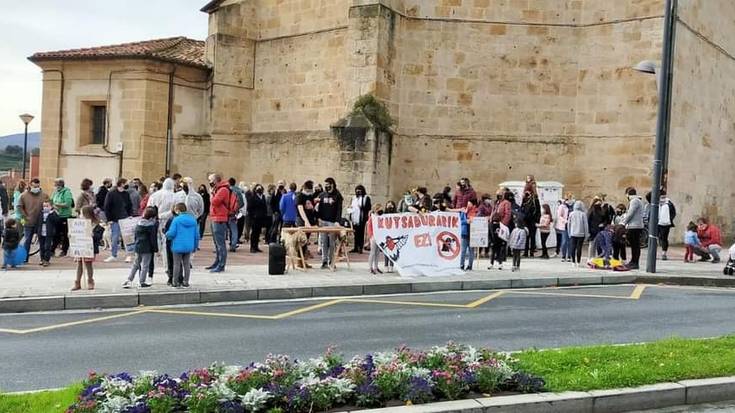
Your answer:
<point x="146" y="244"/>
<point x="517" y="243"/>
<point x="184" y="236"/>
<point x="466" y="217"/>
<point x="544" y="226"/>
<point x="499" y="234"/>
<point x="374" y="258"/>
<point x="578" y="231"/>
<point x="10" y="243"/>
<point x="82" y="263"/>
<point x="48" y="221"/>
<point x="691" y="240"/>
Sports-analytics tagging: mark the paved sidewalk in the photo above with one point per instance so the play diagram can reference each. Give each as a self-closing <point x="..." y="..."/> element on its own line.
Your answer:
<point x="248" y="279"/>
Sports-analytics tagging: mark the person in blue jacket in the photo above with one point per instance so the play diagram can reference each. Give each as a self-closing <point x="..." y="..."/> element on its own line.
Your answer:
<point x="288" y="207"/>
<point x="184" y="235"/>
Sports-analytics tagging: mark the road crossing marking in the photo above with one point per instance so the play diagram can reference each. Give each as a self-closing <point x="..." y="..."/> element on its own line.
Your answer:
<point x="635" y="295"/>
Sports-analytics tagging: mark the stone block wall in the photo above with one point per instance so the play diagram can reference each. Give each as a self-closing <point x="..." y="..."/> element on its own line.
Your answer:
<point x="701" y="179"/>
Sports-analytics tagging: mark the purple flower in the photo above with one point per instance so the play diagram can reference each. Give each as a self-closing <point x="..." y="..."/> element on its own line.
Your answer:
<point x="123" y="376"/>
<point x="230" y="407"/>
<point x="139" y="407"/>
<point x="368" y="389"/>
<point x="419" y="390"/>
<point x="90" y="391"/>
<point x="368" y="365"/>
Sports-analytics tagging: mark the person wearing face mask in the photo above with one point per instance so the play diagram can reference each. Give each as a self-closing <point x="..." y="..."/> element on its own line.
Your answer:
<point x="634" y="225"/>
<point x="329" y="211"/>
<point x="202" y="220"/>
<point x="133" y="189"/>
<point x="406" y="202"/>
<point x="164" y="200"/>
<point x="360" y="208"/>
<point x="30" y="207"/>
<point x="274" y="203"/>
<point x="619" y="233"/>
<point x="102" y="192"/>
<point x="63" y="202"/>
<point x="258" y="212"/>
<point x="464" y="194"/>
<point x="117" y="207"/>
<point x="48" y="225"/>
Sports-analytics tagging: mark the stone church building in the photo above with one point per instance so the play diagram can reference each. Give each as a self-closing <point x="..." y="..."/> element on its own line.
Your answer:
<point x="488" y="89"/>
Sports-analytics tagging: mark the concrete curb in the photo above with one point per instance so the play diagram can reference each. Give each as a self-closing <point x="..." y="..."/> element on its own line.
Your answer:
<point x="687" y="392"/>
<point x="177" y="297"/>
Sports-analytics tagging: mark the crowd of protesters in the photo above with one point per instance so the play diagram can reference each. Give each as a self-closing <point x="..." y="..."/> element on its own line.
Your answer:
<point x="175" y="211"/>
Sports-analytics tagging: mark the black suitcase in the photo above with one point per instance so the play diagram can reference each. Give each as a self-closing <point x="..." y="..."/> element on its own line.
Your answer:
<point x="276" y="259"/>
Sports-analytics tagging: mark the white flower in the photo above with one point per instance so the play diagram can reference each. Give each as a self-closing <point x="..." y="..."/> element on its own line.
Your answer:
<point x="255" y="399"/>
<point x="470" y="355"/>
<point x="114" y="404"/>
<point x="223" y="392"/>
<point x="229" y="372"/>
<point x="383" y="358"/>
<point x="309" y="379"/>
<point x="116" y="385"/>
<point x="341" y="387"/>
<point x="420" y="372"/>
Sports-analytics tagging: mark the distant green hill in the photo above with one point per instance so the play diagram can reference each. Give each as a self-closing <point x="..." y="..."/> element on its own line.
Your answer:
<point x="10" y="161"/>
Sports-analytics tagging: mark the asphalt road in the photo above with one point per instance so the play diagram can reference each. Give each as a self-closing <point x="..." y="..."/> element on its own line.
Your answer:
<point x="57" y="353"/>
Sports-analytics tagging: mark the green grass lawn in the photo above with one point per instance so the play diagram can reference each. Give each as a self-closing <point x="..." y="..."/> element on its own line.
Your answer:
<point x="608" y="367"/>
<point x="574" y="368"/>
<point x="43" y="402"/>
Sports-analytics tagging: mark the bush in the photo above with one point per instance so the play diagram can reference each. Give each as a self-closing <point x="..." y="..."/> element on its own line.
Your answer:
<point x="374" y="110"/>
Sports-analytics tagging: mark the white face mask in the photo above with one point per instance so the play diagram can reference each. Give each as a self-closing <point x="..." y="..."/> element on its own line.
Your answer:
<point x="35" y="190"/>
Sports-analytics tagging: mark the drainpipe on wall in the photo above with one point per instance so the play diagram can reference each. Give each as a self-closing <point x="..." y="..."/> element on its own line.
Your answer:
<point x="61" y="120"/>
<point x="105" y="146"/>
<point x="170" y="120"/>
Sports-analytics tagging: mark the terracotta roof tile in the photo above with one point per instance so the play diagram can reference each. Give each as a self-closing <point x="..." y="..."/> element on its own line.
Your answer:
<point x="175" y="50"/>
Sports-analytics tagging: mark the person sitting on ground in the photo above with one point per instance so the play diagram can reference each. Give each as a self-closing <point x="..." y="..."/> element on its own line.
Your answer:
<point x="184" y="236"/>
<point x="711" y="238"/>
<point x="11" y="241"/>
<point x="692" y="243"/>
<point x="603" y="243"/>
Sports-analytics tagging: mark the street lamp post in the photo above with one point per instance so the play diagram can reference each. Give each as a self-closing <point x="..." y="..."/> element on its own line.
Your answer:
<point x="26" y="118"/>
<point x="664" y="80"/>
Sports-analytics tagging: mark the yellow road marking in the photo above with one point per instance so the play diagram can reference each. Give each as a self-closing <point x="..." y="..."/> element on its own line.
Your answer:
<point x="307" y="309"/>
<point x="415" y="303"/>
<point x="74" y="323"/>
<point x="483" y="300"/>
<point x="637" y="292"/>
<point x="204" y="313"/>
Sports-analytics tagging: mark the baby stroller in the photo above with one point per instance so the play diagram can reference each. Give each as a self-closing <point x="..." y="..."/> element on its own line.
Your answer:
<point x="730" y="266"/>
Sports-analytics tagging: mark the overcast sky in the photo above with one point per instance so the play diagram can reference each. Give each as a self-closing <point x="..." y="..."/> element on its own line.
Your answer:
<point x="30" y="26"/>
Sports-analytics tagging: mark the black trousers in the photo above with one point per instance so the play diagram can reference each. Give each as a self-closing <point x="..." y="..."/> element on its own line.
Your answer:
<point x="359" y="237"/>
<point x="202" y="221"/>
<point x="663" y="237"/>
<point x="275" y="231"/>
<point x="619" y="251"/>
<point x="241" y="228"/>
<point x="634" y="239"/>
<point x="558" y="242"/>
<point x="517" y="258"/>
<point x="61" y="238"/>
<point x="499" y="249"/>
<point x="576" y="249"/>
<point x="530" y="239"/>
<point x="267" y="227"/>
<point x="544" y="238"/>
<point x="169" y="260"/>
<point x="47" y="248"/>
<point x="257" y="228"/>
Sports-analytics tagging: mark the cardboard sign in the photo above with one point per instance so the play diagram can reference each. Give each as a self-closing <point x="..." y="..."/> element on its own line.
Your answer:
<point x="420" y="244"/>
<point x="479" y="232"/>
<point x="81" y="244"/>
<point x="127" y="230"/>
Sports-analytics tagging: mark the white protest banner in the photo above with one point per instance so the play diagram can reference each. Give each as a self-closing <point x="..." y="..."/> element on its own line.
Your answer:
<point x="80" y="238"/>
<point x="127" y="229"/>
<point x="479" y="232"/>
<point x="420" y="244"/>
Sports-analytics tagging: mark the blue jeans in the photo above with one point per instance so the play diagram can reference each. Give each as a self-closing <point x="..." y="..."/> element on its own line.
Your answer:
<point x="114" y="238"/>
<point x="28" y="232"/>
<point x="219" y="231"/>
<point x="232" y="225"/>
<point x="467" y="252"/>
<point x="564" y="244"/>
<point x="8" y="257"/>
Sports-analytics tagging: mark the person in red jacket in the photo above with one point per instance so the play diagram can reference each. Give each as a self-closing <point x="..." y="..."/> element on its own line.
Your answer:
<point x="219" y="213"/>
<point x="505" y="208"/>
<point x="711" y="239"/>
<point x="464" y="193"/>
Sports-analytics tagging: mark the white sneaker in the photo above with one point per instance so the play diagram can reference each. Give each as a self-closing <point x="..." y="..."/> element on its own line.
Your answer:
<point x="127" y="284"/>
<point x="490" y="267"/>
<point x="110" y="259"/>
<point x="128" y="259"/>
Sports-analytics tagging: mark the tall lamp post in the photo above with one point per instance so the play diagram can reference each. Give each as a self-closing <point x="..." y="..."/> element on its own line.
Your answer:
<point x="26" y="118"/>
<point x="664" y="78"/>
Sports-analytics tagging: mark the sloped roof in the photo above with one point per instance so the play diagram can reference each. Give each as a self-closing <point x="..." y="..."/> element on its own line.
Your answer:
<point x="180" y="50"/>
<point x="211" y="6"/>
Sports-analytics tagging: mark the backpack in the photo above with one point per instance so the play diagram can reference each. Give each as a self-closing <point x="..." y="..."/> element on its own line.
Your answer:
<point x="240" y="200"/>
<point x="233" y="204"/>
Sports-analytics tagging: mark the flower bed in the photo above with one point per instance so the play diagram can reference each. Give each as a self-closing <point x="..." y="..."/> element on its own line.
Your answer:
<point x="281" y="385"/>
